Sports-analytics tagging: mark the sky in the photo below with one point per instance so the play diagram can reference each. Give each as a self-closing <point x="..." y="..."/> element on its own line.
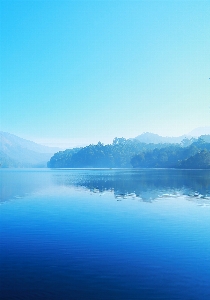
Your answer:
<point x="79" y="72"/>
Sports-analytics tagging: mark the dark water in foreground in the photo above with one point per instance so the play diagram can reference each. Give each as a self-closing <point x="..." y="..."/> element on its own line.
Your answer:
<point x="105" y="234"/>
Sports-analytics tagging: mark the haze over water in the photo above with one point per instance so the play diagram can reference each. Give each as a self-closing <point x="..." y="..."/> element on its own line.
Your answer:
<point x="105" y="234"/>
<point x="74" y="73"/>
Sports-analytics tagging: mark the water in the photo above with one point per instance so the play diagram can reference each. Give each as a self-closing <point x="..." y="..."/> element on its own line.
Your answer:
<point x="105" y="234"/>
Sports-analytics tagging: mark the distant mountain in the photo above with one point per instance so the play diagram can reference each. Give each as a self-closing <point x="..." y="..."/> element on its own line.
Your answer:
<point x="11" y="139"/>
<point x="153" y="138"/>
<point x="200" y="131"/>
<point x="7" y="162"/>
<point x="18" y="152"/>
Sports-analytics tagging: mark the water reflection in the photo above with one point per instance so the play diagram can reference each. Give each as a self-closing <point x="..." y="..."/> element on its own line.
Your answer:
<point x="18" y="183"/>
<point x="144" y="184"/>
<point x="60" y="242"/>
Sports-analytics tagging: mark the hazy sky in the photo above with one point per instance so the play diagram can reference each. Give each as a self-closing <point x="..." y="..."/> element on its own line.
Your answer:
<point x="75" y="72"/>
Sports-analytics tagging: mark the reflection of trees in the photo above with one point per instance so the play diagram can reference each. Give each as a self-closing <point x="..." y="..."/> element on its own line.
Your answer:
<point x="148" y="183"/>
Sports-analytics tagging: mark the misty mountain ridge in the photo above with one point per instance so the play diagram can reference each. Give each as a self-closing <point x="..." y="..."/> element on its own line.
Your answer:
<point x="154" y="138"/>
<point x="19" y="152"/>
<point x="148" y="137"/>
<point x="200" y="131"/>
<point x="8" y="139"/>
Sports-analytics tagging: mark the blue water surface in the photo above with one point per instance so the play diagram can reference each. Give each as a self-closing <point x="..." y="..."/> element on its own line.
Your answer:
<point x="105" y="234"/>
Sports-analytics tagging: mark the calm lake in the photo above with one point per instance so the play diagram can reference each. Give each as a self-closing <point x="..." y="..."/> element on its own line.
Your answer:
<point x="104" y="234"/>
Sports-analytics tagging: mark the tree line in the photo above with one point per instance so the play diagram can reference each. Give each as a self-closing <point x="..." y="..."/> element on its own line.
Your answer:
<point x="195" y="156"/>
<point x="126" y="153"/>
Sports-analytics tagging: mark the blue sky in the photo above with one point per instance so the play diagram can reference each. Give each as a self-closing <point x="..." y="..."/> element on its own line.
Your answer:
<point x="76" y="72"/>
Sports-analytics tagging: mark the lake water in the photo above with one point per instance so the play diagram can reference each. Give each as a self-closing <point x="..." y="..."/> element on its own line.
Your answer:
<point x="105" y="234"/>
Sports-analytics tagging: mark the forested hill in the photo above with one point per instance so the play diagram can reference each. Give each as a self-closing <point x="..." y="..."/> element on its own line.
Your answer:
<point x="115" y="155"/>
<point x="195" y="156"/>
<point x="124" y="153"/>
